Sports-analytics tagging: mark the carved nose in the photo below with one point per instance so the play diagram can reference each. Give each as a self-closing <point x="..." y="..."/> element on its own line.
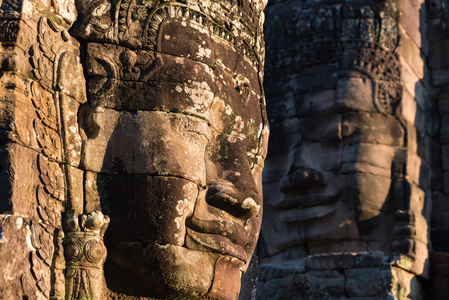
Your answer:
<point x="301" y="179"/>
<point x="225" y="196"/>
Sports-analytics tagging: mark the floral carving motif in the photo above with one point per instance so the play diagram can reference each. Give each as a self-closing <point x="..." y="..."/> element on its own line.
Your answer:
<point x="46" y="124"/>
<point x="85" y="255"/>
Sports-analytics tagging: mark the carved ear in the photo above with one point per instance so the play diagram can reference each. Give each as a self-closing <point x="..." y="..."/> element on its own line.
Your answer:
<point x="89" y="128"/>
<point x="101" y="65"/>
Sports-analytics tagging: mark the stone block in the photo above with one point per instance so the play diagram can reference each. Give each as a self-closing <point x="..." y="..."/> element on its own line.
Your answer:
<point x="414" y="162"/>
<point x="70" y="73"/>
<point x="367" y="282"/>
<point x="71" y="136"/>
<point x="15" y="248"/>
<point x="131" y="143"/>
<point x="19" y="179"/>
<point x="421" y="260"/>
<point x="375" y="226"/>
<point x="275" y="289"/>
<point x="337" y="247"/>
<point x="407" y="109"/>
<point x="355" y="94"/>
<point x="321" y="101"/>
<point x="420" y="121"/>
<point x="330" y="262"/>
<point x="443" y="103"/>
<point x="186" y="41"/>
<point x="378" y="246"/>
<point x="143" y="96"/>
<point x="318" y="285"/>
<point x="318" y="156"/>
<point x="412" y="82"/>
<point x="433" y="124"/>
<point x="269" y="271"/>
<point x="17" y="112"/>
<point x="413" y="20"/>
<point x="446" y="182"/>
<point x="106" y="60"/>
<point x="279" y="107"/>
<point x="91" y="193"/>
<point x="291" y="254"/>
<point x="439" y="77"/>
<point x="407" y="285"/>
<point x="440" y="211"/>
<point x="314" y="83"/>
<point x="155" y="209"/>
<point x="444" y="129"/>
<point x="320" y="128"/>
<point x="425" y="177"/>
<point x="284" y="136"/>
<point x="249" y="281"/>
<point x="369" y="192"/>
<point x="373" y="259"/>
<point x="414" y="139"/>
<point x="355" y="167"/>
<point x="440" y="273"/>
<point x="75" y="189"/>
<point x="380" y="156"/>
<point x="437" y="57"/>
<point x="411" y="53"/>
<point x="432" y="149"/>
<point x="312" y="285"/>
<point x="417" y="198"/>
<point x="372" y="128"/>
<point x="439" y="241"/>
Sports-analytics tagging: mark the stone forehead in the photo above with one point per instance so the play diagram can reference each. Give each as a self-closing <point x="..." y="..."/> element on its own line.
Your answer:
<point x="137" y="24"/>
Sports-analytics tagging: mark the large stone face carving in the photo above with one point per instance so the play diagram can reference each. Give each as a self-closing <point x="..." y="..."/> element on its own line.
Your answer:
<point x="165" y="148"/>
<point x="175" y="142"/>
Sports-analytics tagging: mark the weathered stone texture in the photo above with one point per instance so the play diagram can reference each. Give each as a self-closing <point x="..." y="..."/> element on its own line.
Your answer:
<point x="156" y="124"/>
<point x="158" y="121"/>
<point x="346" y="276"/>
<point x="356" y="151"/>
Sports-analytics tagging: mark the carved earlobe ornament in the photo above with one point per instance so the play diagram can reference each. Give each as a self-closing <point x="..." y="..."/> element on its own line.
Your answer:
<point x="85" y="255"/>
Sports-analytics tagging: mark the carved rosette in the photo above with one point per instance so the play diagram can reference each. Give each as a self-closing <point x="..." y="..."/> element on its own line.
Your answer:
<point x="85" y="255"/>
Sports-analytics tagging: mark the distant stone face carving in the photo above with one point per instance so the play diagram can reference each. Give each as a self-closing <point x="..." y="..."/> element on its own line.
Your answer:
<point x="342" y="174"/>
<point x="175" y="139"/>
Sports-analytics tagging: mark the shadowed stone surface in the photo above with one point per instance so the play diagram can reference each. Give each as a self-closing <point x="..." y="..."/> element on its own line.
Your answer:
<point x="344" y="174"/>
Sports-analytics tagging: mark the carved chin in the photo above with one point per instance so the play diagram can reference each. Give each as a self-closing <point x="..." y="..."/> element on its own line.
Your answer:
<point x="160" y="271"/>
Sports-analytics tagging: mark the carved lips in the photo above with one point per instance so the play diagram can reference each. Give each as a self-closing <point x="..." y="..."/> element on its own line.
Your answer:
<point x="225" y="236"/>
<point x="215" y="243"/>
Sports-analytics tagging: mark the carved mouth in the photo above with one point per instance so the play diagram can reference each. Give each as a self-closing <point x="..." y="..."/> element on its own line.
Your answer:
<point x="300" y="209"/>
<point x="308" y="213"/>
<point x="304" y="201"/>
<point x="228" y="228"/>
<point x="215" y="243"/>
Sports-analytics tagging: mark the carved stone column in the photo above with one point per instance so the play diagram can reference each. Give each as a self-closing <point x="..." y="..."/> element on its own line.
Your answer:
<point x="41" y="87"/>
